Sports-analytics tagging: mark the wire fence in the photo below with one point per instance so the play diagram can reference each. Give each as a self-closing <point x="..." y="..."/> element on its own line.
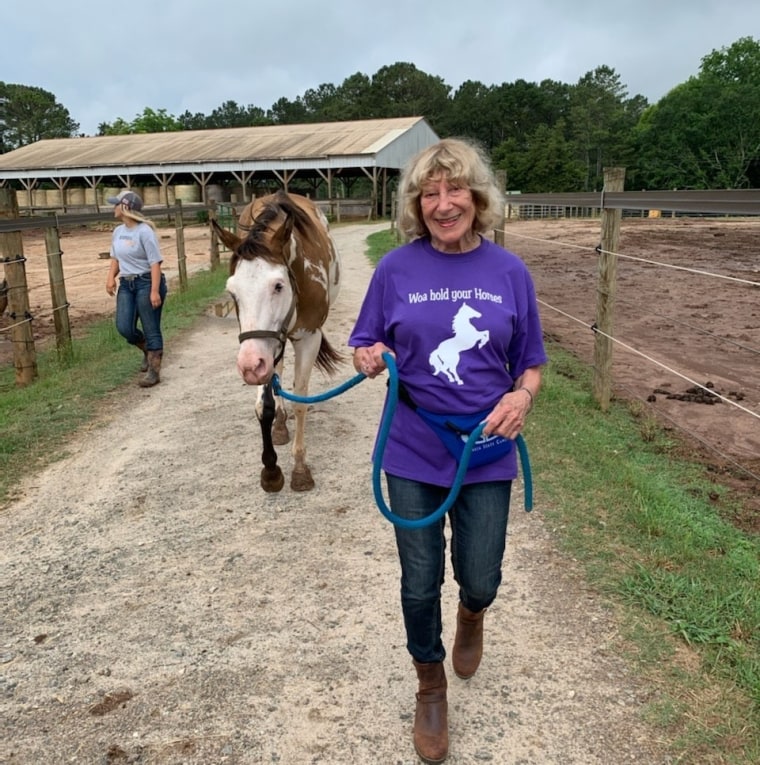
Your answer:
<point x="686" y="332"/>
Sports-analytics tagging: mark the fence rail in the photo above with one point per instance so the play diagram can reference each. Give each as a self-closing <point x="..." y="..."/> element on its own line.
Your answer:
<point x="725" y="202"/>
<point x="28" y="222"/>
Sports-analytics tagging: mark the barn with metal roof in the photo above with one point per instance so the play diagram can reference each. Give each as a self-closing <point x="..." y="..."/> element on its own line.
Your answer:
<point x="325" y="159"/>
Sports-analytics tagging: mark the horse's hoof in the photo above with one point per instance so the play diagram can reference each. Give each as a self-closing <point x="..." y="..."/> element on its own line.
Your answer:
<point x="302" y="481"/>
<point x="272" y="479"/>
<point x="280" y="434"/>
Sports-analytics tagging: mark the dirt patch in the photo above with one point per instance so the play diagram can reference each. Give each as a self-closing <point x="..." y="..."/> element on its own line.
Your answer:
<point x="676" y="321"/>
<point x="158" y="607"/>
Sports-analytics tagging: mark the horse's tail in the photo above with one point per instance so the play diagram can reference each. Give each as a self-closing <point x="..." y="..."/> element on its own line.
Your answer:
<point x="328" y="359"/>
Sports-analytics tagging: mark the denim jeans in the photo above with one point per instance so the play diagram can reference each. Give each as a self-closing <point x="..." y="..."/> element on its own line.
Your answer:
<point x="133" y="303"/>
<point x="478" y="522"/>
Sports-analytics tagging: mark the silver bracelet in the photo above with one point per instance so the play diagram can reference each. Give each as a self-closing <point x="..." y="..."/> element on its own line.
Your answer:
<point x="530" y="395"/>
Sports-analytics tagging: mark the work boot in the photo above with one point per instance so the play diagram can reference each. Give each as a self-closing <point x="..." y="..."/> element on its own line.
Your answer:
<point x="153" y="374"/>
<point x="141" y="346"/>
<point x="468" y="643"/>
<point x="431" y="727"/>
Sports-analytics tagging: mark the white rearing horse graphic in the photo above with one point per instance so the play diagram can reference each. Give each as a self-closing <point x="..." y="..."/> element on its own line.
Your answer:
<point x="445" y="358"/>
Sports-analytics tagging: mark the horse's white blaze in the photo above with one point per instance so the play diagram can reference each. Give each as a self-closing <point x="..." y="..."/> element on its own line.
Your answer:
<point x="263" y="294"/>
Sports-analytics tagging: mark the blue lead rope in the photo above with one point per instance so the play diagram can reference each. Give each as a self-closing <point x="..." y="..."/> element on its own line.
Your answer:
<point x="382" y="439"/>
<point x="436" y="515"/>
<point x="342" y="388"/>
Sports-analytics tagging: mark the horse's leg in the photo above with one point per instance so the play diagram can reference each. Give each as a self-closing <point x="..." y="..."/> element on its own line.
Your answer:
<point x="271" y="475"/>
<point x="280" y="434"/>
<point x="452" y="372"/>
<point x="306" y="349"/>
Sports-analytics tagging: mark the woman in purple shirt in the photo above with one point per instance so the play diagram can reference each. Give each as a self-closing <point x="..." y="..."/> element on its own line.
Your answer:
<point x="458" y="314"/>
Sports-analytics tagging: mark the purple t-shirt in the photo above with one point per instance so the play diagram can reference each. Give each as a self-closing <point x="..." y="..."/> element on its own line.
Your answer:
<point x="463" y="328"/>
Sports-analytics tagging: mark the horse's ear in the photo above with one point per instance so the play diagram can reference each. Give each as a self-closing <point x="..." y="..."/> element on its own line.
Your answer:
<point x="282" y="235"/>
<point x="230" y="240"/>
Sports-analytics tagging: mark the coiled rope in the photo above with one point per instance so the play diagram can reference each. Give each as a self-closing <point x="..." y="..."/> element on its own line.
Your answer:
<point x="385" y="426"/>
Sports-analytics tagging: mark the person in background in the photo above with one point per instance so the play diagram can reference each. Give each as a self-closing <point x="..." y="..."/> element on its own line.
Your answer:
<point x="459" y="315"/>
<point x="136" y="260"/>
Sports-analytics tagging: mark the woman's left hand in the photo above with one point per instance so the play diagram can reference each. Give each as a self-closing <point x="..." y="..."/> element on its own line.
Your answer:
<point x="155" y="299"/>
<point x="507" y="418"/>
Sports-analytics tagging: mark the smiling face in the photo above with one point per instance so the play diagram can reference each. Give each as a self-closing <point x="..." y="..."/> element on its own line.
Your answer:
<point x="448" y="211"/>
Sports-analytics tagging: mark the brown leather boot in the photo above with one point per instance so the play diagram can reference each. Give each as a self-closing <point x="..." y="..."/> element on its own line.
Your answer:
<point x="144" y="365"/>
<point x="431" y="727"/>
<point x="153" y="375"/>
<point x="468" y="643"/>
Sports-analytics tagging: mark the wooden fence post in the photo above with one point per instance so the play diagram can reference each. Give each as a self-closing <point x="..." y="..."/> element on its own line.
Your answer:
<point x="214" y="246"/>
<point x="498" y="233"/>
<point x="58" y="291"/>
<point x="179" y="227"/>
<point x="614" y="180"/>
<point x="12" y="254"/>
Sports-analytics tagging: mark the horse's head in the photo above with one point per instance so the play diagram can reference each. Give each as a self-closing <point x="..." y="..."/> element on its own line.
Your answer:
<point x="263" y="290"/>
<point x="468" y="312"/>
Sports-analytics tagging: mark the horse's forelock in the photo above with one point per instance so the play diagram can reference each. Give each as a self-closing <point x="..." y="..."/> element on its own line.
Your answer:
<point x="256" y="242"/>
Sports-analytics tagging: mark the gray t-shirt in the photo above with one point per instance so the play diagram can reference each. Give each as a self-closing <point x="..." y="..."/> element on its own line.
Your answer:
<point x="136" y="248"/>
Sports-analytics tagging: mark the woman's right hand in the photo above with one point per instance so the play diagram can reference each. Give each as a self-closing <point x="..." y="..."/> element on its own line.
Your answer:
<point x="369" y="361"/>
<point x="111" y="286"/>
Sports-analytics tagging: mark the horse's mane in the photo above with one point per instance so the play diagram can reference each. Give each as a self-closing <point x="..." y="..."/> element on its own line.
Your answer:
<point x="255" y="244"/>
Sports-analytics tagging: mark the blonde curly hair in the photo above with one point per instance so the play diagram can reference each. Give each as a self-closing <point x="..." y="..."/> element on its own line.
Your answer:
<point x="457" y="160"/>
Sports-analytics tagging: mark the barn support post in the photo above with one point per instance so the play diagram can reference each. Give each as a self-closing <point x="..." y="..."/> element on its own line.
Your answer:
<point x="179" y="227"/>
<point x="58" y="291"/>
<point x="614" y="180"/>
<point x="12" y="255"/>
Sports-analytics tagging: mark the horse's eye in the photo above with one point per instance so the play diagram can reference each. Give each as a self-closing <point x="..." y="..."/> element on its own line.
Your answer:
<point x="279" y="287"/>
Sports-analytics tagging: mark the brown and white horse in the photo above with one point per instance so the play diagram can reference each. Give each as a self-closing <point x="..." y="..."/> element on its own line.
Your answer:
<point x="284" y="276"/>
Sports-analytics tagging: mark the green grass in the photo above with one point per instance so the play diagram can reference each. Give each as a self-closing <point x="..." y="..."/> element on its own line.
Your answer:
<point x="379" y="243"/>
<point x="647" y="526"/>
<point x="35" y="420"/>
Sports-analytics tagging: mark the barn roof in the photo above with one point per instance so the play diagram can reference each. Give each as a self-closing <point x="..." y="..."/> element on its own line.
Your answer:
<point x="361" y="144"/>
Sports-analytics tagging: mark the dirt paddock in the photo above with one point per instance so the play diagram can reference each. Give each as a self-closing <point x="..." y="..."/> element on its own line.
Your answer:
<point x="158" y="608"/>
<point x="687" y="311"/>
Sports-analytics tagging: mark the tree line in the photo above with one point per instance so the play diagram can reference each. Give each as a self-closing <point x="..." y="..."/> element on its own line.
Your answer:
<point x="548" y="136"/>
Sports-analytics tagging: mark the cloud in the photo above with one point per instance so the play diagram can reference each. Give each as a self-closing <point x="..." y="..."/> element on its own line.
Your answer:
<point x="114" y="60"/>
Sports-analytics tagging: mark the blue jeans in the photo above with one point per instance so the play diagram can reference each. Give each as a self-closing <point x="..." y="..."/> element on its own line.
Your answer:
<point x="133" y="303"/>
<point x="478" y="523"/>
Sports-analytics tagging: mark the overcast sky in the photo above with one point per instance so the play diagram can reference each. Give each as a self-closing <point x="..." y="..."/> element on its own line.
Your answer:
<point x="103" y="60"/>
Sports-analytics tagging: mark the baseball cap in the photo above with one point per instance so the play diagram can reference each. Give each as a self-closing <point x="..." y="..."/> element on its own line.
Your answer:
<point x="128" y="198"/>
